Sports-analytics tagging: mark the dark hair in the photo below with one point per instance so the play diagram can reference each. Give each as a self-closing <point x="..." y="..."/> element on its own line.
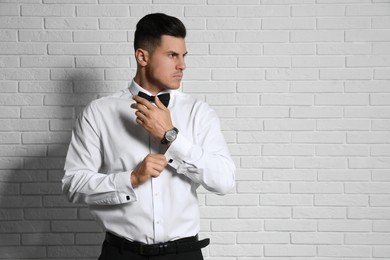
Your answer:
<point x="152" y="26"/>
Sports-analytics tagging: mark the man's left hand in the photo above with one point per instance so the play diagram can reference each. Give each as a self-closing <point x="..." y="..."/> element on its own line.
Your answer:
<point x="155" y="119"/>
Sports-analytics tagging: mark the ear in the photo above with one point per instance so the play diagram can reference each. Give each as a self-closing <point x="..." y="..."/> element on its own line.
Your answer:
<point x="142" y="57"/>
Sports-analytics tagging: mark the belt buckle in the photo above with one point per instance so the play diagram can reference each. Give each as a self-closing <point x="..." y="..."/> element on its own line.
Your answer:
<point x="162" y="248"/>
<point x="156" y="249"/>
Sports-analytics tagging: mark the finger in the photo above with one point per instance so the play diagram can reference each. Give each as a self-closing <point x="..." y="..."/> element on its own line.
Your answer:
<point x="158" y="156"/>
<point x="158" y="159"/>
<point x="141" y="115"/>
<point x="153" y="169"/>
<point x="134" y="105"/>
<point x="155" y="174"/>
<point x="139" y="121"/>
<point x="140" y="107"/>
<point x="143" y="101"/>
<point x="158" y="103"/>
<point x="161" y="166"/>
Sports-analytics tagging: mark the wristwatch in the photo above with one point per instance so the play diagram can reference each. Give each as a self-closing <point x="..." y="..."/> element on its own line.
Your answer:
<point x="170" y="136"/>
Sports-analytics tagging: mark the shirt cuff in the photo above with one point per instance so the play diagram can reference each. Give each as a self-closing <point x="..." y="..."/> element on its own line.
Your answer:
<point x="178" y="151"/>
<point x="124" y="188"/>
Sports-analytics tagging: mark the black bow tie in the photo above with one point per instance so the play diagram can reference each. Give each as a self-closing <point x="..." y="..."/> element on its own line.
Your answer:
<point x="164" y="98"/>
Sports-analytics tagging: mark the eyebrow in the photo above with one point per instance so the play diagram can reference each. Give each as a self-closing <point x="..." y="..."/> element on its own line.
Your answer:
<point x="175" y="53"/>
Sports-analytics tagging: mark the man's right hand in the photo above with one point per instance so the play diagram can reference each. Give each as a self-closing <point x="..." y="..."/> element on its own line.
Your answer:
<point x="151" y="166"/>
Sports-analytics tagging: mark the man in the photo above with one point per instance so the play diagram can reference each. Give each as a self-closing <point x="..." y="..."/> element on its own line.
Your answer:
<point x="137" y="164"/>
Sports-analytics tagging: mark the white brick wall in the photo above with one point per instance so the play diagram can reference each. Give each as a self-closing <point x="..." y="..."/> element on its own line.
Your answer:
<point x="303" y="91"/>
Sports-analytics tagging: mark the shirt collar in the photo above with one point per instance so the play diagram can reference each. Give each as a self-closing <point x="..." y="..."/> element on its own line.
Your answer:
<point x="134" y="88"/>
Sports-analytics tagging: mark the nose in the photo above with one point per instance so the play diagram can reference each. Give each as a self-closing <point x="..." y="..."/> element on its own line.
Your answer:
<point x="181" y="64"/>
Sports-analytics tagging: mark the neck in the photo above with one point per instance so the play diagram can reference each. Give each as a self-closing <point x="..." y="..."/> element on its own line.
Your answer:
<point x="145" y="84"/>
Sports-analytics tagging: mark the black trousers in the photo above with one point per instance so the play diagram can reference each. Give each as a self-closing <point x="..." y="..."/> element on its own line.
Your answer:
<point x="110" y="252"/>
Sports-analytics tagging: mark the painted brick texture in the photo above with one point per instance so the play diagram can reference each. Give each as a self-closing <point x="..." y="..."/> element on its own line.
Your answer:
<point x="302" y="88"/>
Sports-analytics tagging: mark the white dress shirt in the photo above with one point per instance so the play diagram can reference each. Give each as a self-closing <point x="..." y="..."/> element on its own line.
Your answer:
<point x="106" y="146"/>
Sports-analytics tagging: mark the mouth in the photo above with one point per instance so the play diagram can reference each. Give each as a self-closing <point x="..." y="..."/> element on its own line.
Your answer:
<point x="178" y="76"/>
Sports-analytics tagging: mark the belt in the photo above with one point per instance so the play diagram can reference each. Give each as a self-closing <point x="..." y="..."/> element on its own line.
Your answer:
<point x="172" y="247"/>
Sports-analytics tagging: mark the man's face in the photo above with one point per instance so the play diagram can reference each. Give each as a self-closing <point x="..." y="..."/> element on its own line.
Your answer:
<point x="166" y="64"/>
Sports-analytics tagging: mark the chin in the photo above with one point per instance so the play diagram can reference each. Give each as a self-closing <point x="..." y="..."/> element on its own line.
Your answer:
<point x="174" y="85"/>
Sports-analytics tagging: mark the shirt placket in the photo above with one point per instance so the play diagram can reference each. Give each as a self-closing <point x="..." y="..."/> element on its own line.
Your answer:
<point x="158" y="211"/>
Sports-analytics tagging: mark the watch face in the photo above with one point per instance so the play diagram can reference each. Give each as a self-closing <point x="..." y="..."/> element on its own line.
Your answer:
<point x="171" y="135"/>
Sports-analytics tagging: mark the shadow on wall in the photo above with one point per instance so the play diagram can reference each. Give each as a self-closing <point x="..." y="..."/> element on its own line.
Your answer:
<point x="36" y="220"/>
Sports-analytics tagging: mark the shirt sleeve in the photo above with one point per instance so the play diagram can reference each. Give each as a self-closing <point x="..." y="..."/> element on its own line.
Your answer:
<point x="82" y="182"/>
<point x="205" y="161"/>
